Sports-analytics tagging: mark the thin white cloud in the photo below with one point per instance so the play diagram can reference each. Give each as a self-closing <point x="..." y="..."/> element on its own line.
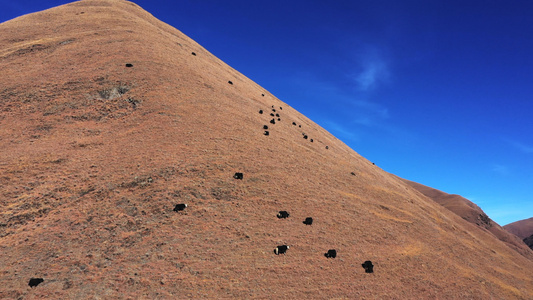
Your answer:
<point x="371" y="68"/>
<point x="375" y="108"/>
<point x="341" y="131"/>
<point x="522" y="147"/>
<point x="500" y="169"/>
<point x="347" y="106"/>
<point x="374" y="71"/>
<point x="368" y="113"/>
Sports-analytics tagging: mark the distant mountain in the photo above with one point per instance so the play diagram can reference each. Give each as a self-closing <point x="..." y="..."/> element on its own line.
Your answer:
<point x="522" y="228"/>
<point x="472" y="213"/>
<point x="111" y="121"/>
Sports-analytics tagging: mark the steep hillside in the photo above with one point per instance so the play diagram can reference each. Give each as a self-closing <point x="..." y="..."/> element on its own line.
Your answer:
<point x="469" y="211"/>
<point x="522" y="228"/>
<point x="109" y="118"/>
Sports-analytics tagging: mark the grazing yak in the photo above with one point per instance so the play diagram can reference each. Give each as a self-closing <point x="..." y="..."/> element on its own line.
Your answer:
<point x="35" y="282"/>
<point x="238" y="176"/>
<point x="283" y="214"/>
<point x="308" y="221"/>
<point x="180" y="207"/>
<point x="368" y="266"/>
<point x="332" y="253"/>
<point x="266" y="132"/>
<point x="281" y="249"/>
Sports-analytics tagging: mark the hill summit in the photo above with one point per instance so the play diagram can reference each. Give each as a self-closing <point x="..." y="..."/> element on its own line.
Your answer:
<point x="135" y="164"/>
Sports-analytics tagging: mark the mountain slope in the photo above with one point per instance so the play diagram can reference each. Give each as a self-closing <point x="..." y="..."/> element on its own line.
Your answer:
<point x="472" y="213"/>
<point x="109" y="118"/>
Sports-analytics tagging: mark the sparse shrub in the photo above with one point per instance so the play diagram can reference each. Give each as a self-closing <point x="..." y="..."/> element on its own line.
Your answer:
<point x="123" y="89"/>
<point x="133" y="102"/>
<point x="105" y="94"/>
<point x="114" y="92"/>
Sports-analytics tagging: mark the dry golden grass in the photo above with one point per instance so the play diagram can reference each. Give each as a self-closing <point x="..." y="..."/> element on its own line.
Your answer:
<point x="89" y="181"/>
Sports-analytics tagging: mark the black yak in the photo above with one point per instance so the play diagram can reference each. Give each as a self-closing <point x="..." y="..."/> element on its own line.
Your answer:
<point x="281" y="249"/>
<point x="332" y="253"/>
<point x="35" y="282"/>
<point x="283" y="215"/>
<point x="180" y="207"/>
<point x="308" y="221"/>
<point x="368" y="266"/>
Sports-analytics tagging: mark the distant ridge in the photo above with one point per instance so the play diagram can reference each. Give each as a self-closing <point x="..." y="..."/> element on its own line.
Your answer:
<point x="136" y="165"/>
<point x="522" y="228"/>
<point x="469" y="211"/>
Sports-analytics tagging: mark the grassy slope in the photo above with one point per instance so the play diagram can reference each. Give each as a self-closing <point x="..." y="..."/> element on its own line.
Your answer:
<point x="91" y="179"/>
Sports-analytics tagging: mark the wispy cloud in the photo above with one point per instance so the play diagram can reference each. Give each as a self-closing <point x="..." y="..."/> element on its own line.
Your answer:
<point x="345" y="106"/>
<point x="521" y="146"/>
<point x="373" y="107"/>
<point x="369" y="114"/>
<point x="340" y="131"/>
<point x="500" y="169"/>
<point x="371" y="69"/>
<point x="373" y="72"/>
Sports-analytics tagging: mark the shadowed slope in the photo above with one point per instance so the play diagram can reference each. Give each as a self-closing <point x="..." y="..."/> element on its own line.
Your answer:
<point x="96" y="154"/>
<point x="529" y="241"/>
<point x="469" y="211"/>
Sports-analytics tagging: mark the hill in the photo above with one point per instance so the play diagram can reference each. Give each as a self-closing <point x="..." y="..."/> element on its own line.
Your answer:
<point x="522" y="228"/>
<point x="472" y="213"/>
<point x="109" y="118"/>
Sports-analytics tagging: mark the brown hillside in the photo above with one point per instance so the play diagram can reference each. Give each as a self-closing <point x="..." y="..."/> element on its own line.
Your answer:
<point x="469" y="211"/>
<point x="95" y="155"/>
<point x="522" y="228"/>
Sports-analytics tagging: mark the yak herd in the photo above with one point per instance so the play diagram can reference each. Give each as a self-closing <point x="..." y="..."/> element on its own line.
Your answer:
<point x="282" y="249"/>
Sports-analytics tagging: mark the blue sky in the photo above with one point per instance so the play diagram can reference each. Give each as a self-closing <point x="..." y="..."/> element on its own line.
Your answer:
<point x="436" y="91"/>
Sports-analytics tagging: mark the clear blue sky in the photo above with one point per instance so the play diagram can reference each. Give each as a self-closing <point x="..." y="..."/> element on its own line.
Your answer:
<point x="435" y="91"/>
